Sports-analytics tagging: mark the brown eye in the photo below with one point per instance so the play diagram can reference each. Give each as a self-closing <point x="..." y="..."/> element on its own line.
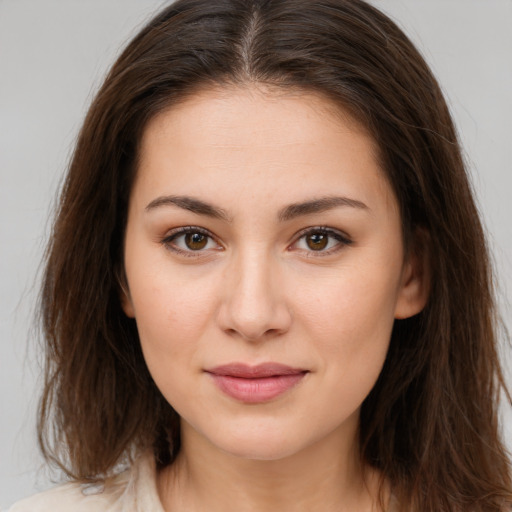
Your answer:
<point x="190" y="241"/>
<point x="195" y="241"/>
<point x="321" y="241"/>
<point x="317" y="241"/>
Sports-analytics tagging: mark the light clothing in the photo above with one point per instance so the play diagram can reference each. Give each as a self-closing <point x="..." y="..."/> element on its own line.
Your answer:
<point x="133" y="490"/>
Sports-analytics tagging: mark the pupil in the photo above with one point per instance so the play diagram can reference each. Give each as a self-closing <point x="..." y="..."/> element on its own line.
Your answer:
<point x="195" y="241"/>
<point x="317" y="241"/>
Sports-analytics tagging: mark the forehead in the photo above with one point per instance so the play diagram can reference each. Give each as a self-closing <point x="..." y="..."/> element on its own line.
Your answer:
<point x="269" y="138"/>
<point x="263" y="109"/>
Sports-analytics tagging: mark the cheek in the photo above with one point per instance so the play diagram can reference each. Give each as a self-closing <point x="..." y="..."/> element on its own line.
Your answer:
<point x="171" y="324"/>
<point x="172" y="310"/>
<point x="350" y="317"/>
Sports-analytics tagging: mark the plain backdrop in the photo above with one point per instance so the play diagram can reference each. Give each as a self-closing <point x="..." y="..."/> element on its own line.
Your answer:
<point x="53" y="55"/>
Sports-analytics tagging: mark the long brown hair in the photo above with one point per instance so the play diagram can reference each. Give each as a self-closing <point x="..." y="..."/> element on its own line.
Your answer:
<point x="430" y="423"/>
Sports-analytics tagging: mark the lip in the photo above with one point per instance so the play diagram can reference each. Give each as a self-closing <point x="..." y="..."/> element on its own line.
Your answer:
<point x="255" y="384"/>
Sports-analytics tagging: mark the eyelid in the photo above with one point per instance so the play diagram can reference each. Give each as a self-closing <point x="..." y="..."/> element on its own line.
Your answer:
<point x="172" y="234"/>
<point x="342" y="238"/>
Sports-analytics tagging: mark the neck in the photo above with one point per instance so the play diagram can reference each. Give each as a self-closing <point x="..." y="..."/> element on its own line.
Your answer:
<point x="326" y="476"/>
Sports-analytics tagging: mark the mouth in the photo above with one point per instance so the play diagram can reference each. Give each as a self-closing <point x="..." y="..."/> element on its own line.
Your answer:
<point x="256" y="384"/>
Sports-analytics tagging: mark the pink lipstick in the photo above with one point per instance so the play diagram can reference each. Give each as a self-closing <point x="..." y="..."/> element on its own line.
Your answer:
<point x="255" y="384"/>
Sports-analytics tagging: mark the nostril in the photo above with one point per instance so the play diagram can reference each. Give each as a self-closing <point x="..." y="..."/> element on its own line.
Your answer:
<point x="254" y="336"/>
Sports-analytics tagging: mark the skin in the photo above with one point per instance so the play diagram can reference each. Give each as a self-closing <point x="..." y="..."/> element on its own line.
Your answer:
<point x="255" y="292"/>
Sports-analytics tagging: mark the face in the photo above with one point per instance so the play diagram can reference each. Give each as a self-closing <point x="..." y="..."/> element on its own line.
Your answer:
<point x="265" y="268"/>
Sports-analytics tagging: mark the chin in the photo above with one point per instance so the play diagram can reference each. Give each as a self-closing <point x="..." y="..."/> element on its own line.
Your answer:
<point x="260" y="443"/>
<point x="261" y="451"/>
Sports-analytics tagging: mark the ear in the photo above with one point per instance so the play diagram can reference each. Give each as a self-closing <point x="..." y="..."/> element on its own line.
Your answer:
<point x="127" y="304"/>
<point x="124" y="294"/>
<point x="415" y="283"/>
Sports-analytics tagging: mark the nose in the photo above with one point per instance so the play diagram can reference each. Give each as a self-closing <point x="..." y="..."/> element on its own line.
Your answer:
<point x="254" y="305"/>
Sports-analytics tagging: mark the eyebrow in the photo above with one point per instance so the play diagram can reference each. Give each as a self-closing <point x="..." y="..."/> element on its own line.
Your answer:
<point x="287" y="213"/>
<point x="317" y="206"/>
<point x="190" y="204"/>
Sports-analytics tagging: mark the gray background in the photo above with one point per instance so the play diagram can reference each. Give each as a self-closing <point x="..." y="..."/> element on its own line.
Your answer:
<point x="53" y="54"/>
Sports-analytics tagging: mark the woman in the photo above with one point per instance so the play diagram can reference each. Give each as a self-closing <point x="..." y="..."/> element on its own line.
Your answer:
<point x="267" y="285"/>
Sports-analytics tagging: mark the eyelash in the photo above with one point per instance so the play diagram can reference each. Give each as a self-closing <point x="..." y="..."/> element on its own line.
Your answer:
<point x="167" y="242"/>
<point x="342" y="240"/>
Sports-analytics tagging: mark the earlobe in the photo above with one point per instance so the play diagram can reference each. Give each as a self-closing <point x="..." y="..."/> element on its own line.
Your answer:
<point x="415" y="285"/>
<point x="124" y="295"/>
<point x="126" y="304"/>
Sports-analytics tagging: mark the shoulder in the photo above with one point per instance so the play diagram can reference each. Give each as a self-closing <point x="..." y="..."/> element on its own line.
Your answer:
<point x="76" y="497"/>
<point x="133" y="490"/>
